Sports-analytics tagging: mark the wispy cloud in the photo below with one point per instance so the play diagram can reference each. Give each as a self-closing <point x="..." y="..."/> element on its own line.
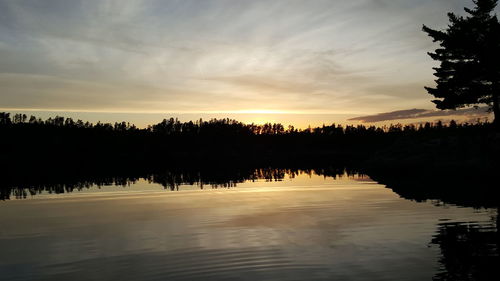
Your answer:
<point x="217" y="55"/>
<point x="421" y="114"/>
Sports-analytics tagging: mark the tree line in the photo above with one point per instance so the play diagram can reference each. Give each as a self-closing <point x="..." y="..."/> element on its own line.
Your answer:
<point x="33" y="145"/>
<point x="226" y="126"/>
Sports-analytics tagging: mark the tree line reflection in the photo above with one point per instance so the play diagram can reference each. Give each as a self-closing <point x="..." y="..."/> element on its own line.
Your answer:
<point x="469" y="250"/>
<point x="170" y="179"/>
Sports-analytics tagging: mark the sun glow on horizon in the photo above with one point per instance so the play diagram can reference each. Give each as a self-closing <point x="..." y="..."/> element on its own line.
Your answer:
<point x="261" y="111"/>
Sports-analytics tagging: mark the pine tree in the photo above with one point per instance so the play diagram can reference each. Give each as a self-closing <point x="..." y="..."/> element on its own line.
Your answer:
<point x="469" y="55"/>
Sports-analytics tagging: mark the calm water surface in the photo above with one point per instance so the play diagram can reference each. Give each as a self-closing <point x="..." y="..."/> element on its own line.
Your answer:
<point x="308" y="227"/>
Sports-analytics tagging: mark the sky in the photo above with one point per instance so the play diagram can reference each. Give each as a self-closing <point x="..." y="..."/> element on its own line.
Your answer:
<point x="296" y="62"/>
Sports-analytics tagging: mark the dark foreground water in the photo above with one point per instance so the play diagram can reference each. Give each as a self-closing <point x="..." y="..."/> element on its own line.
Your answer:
<point x="301" y="227"/>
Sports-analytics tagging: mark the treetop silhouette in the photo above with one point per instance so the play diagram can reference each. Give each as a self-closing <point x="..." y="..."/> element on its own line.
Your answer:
<point x="469" y="55"/>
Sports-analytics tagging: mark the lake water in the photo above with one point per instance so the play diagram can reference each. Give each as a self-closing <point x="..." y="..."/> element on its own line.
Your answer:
<point x="294" y="226"/>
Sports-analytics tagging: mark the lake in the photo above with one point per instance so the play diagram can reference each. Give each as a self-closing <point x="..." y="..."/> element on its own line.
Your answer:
<point x="265" y="224"/>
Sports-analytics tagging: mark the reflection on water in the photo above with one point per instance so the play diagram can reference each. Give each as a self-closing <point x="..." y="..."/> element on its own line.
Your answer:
<point x="470" y="251"/>
<point x="171" y="179"/>
<point x="276" y="224"/>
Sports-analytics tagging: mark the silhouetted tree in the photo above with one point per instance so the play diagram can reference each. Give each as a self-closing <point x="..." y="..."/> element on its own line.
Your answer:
<point x="5" y="118"/>
<point x="469" y="54"/>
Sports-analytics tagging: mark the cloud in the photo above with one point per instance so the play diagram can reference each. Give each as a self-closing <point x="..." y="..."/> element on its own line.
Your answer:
<point x="291" y="55"/>
<point x="421" y="113"/>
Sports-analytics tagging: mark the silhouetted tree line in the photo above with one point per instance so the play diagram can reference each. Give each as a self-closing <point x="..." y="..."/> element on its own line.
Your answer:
<point x="31" y="142"/>
<point x="227" y="127"/>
